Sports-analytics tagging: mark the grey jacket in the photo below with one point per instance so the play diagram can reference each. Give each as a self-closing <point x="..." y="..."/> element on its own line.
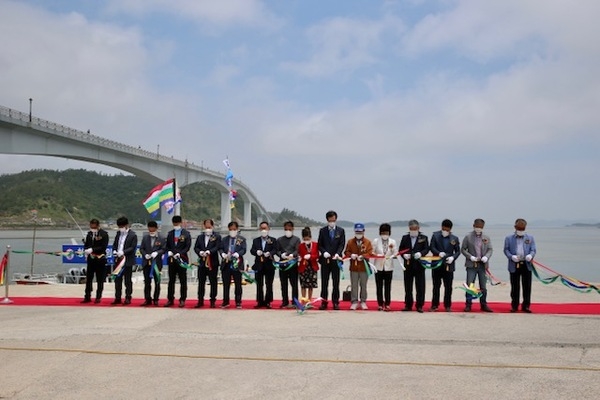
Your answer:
<point x="468" y="249"/>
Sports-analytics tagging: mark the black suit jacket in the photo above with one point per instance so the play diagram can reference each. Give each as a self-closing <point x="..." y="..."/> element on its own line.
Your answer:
<point x="239" y="246"/>
<point x="98" y="245"/>
<point x="263" y="262"/>
<point x="129" y="246"/>
<point x="160" y="244"/>
<point x="332" y="246"/>
<point x="182" y="246"/>
<point x="214" y="244"/>
<point x="421" y="246"/>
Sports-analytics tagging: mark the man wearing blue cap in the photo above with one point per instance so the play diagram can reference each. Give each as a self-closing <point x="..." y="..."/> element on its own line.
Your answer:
<point x="358" y="249"/>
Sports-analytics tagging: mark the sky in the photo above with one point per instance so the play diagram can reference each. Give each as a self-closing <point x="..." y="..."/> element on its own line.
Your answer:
<point x="380" y="110"/>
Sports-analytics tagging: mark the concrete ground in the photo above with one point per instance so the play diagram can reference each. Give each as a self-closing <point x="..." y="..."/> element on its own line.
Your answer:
<point x="158" y="353"/>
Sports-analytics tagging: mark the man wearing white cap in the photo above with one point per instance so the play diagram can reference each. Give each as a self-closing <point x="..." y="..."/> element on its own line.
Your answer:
<point x="358" y="249"/>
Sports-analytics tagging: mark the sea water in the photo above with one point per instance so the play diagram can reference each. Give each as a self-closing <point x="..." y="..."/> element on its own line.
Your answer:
<point x="568" y="250"/>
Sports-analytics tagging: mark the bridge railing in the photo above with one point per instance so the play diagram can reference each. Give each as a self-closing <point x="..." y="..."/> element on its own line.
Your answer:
<point x="69" y="132"/>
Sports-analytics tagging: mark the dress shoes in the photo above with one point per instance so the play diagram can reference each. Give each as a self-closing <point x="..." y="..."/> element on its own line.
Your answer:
<point x="336" y="306"/>
<point x="97" y="301"/>
<point x="485" y="308"/>
<point x="468" y="308"/>
<point x="212" y="304"/>
<point x="407" y="309"/>
<point x="115" y="302"/>
<point x="146" y="303"/>
<point x="127" y="302"/>
<point x="268" y="306"/>
<point x="86" y="300"/>
<point x="323" y="305"/>
<point x="420" y="310"/>
<point x="433" y="308"/>
<point x="169" y="304"/>
<point x="526" y="310"/>
<point x="181" y="303"/>
<point x="200" y="304"/>
<point x="155" y="302"/>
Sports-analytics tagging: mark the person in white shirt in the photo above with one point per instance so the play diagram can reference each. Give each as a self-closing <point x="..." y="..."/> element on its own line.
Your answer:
<point x="384" y="246"/>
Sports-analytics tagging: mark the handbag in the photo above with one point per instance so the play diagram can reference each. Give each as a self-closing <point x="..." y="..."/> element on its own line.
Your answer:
<point x="347" y="294"/>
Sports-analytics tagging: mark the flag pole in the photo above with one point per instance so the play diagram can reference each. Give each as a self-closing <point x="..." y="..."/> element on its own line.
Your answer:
<point x="6" y="300"/>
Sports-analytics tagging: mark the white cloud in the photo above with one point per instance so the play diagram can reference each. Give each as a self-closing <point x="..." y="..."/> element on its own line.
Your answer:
<point x="344" y="44"/>
<point x="218" y="14"/>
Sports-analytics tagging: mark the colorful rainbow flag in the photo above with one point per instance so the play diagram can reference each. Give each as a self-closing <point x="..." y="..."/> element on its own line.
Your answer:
<point x="159" y="196"/>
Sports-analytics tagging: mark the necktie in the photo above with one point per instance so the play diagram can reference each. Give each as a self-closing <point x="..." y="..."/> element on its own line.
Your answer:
<point x="331" y="233"/>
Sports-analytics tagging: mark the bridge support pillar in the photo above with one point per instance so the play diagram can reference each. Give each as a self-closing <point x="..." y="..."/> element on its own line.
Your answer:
<point x="247" y="213"/>
<point x="225" y="210"/>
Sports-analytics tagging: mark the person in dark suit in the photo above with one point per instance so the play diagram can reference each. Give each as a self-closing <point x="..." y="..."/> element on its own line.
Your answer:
<point x="287" y="250"/>
<point x="263" y="249"/>
<point x="207" y="248"/>
<point x="520" y="250"/>
<point x="124" y="246"/>
<point x="232" y="251"/>
<point x="413" y="246"/>
<point x="95" y="244"/>
<point x="331" y="241"/>
<point x="179" y="242"/>
<point x="477" y="249"/>
<point x="447" y="246"/>
<point x="152" y="248"/>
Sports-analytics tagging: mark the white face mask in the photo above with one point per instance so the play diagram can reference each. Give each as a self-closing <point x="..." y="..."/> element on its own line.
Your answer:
<point x="177" y="228"/>
<point x="232" y="234"/>
<point x="94" y="230"/>
<point x="123" y="230"/>
<point x="413" y="233"/>
<point x="288" y="234"/>
<point x="359" y="236"/>
<point x="264" y="233"/>
<point x="307" y="242"/>
<point x="152" y="234"/>
<point x="208" y="232"/>
<point x="520" y="233"/>
<point x="385" y="237"/>
<point x="331" y="225"/>
<point x="445" y="233"/>
<point x="478" y="231"/>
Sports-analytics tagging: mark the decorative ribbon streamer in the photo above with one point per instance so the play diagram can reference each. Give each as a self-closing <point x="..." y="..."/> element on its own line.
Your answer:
<point x="572" y="283"/>
<point x="120" y="267"/>
<point x="207" y="262"/>
<point x="492" y="279"/>
<point x="340" y="264"/>
<point x="431" y="262"/>
<point x="3" y="264"/>
<point x="184" y="264"/>
<point x="302" y="308"/>
<point x="247" y="277"/>
<point x="58" y="253"/>
<point x="285" y="265"/>
<point x="470" y="290"/>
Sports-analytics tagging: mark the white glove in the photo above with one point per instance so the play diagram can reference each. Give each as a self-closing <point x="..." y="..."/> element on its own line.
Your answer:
<point x="353" y="256"/>
<point x="360" y="258"/>
<point x="207" y="253"/>
<point x="473" y="259"/>
<point x="307" y="256"/>
<point x="120" y="254"/>
<point x="515" y="258"/>
<point x="284" y="255"/>
<point x="114" y="252"/>
<point x="406" y="256"/>
<point x="290" y="256"/>
<point x="484" y="259"/>
<point x="259" y="253"/>
<point x="154" y="254"/>
<point x="442" y="254"/>
<point x="449" y="260"/>
<point x="202" y="254"/>
<point x="528" y="257"/>
<point x="236" y="255"/>
<point x="224" y="255"/>
<point x="170" y="253"/>
<point x="267" y="254"/>
<point x="326" y="254"/>
<point x="88" y="251"/>
<point x="337" y="257"/>
<point x="417" y="255"/>
<point x="177" y="256"/>
<point x="147" y="256"/>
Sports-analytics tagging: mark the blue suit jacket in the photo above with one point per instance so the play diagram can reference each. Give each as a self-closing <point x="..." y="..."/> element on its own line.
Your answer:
<point x="510" y="249"/>
<point x="239" y="246"/>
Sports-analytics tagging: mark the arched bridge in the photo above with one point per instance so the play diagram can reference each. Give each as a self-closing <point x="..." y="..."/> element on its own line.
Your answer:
<point x="21" y="133"/>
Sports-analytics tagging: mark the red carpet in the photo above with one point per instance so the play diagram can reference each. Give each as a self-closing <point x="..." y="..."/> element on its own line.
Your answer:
<point x="537" y="308"/>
